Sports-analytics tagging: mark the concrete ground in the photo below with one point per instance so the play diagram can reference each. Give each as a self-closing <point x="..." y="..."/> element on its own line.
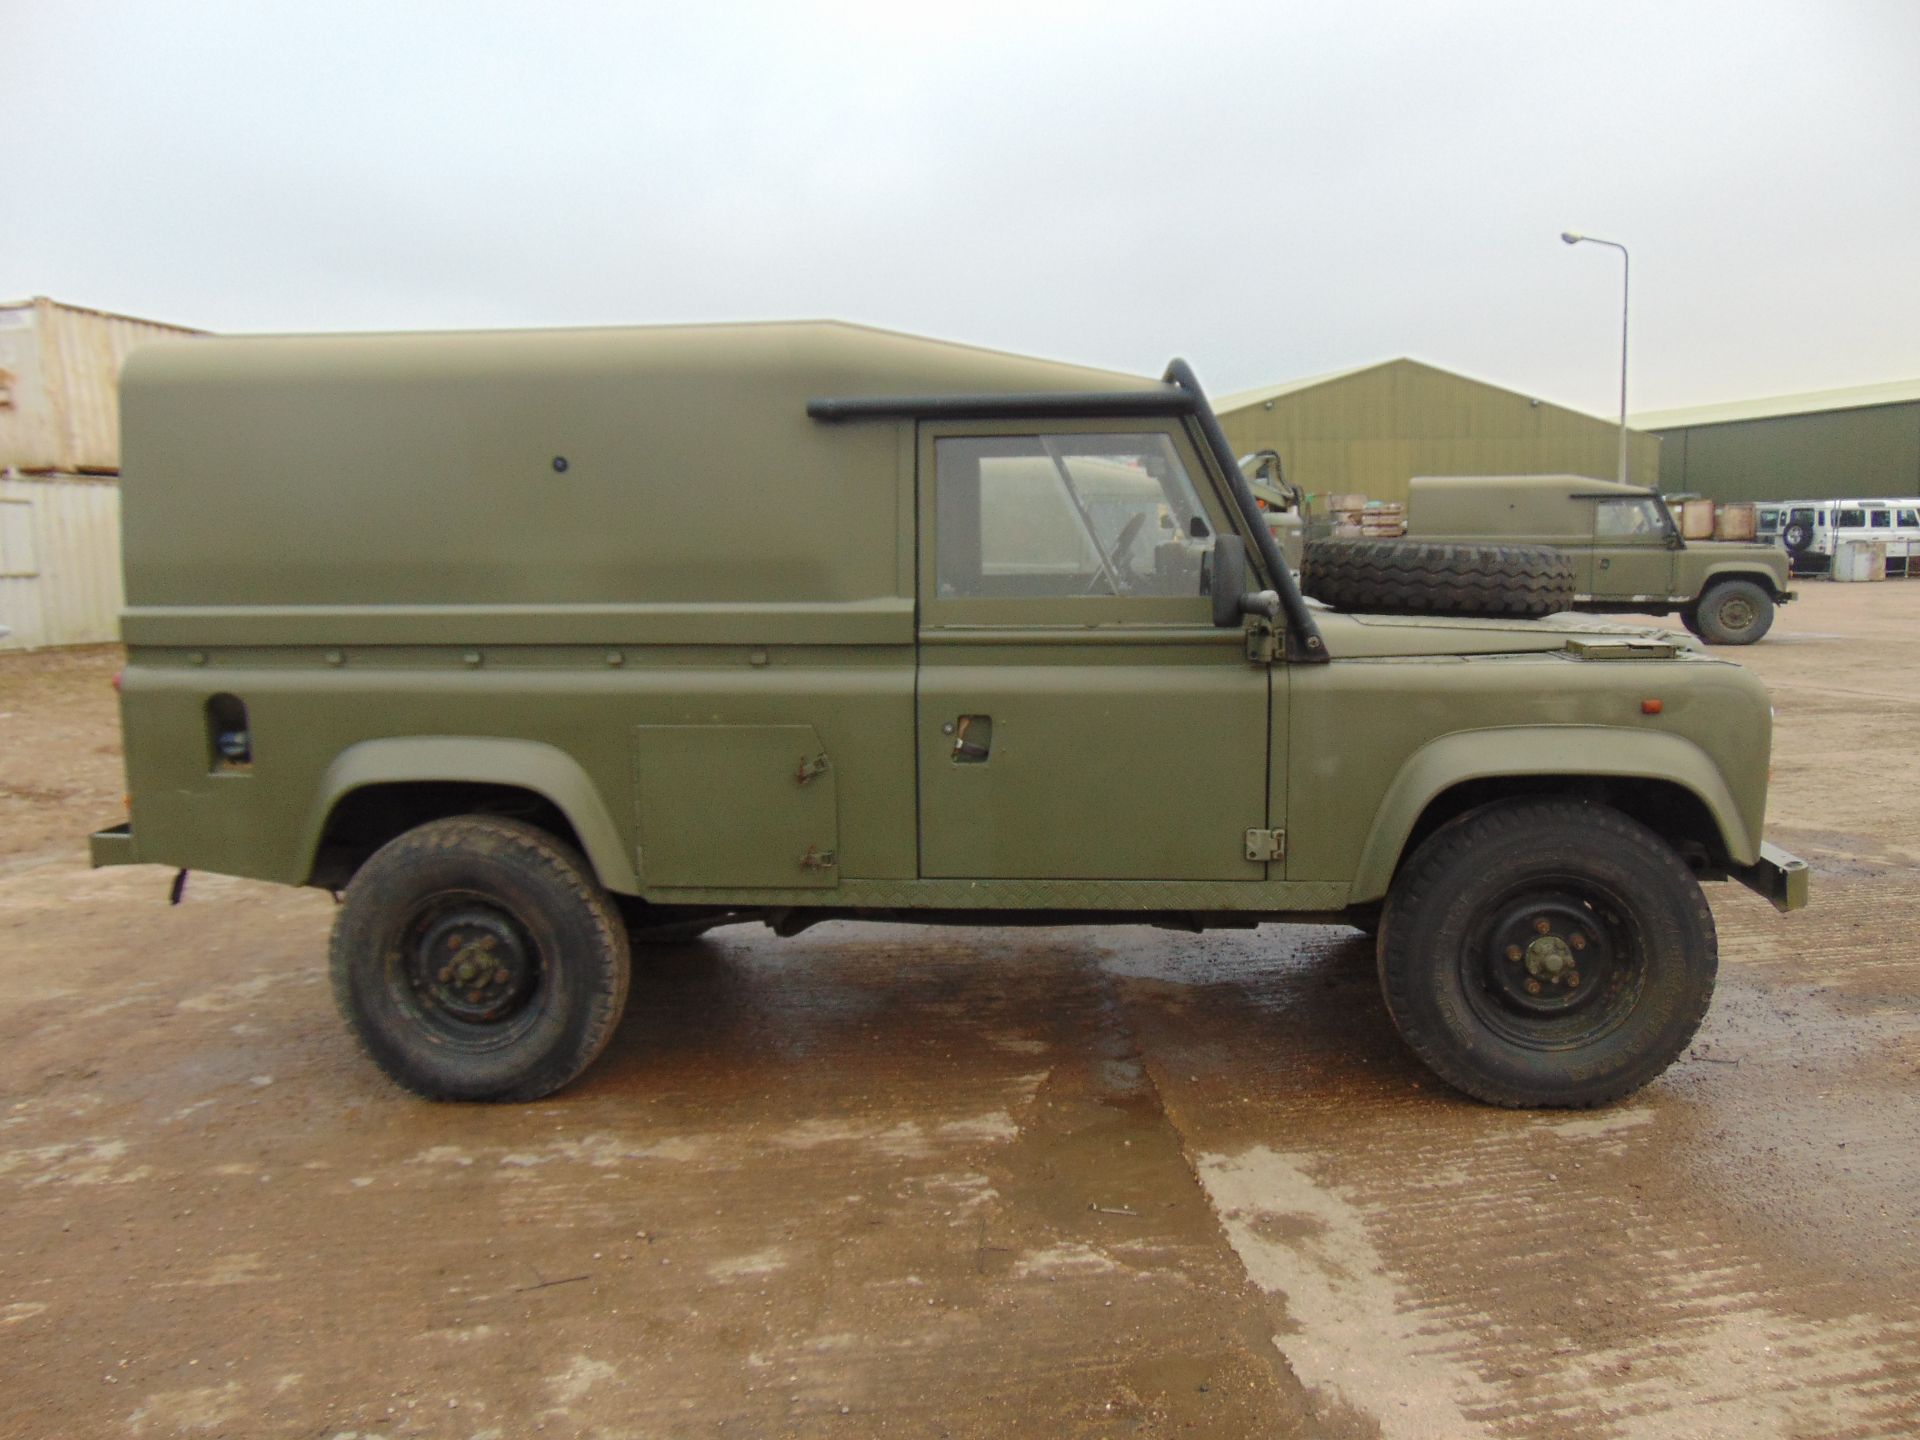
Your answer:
<point x="881" y="1181"/>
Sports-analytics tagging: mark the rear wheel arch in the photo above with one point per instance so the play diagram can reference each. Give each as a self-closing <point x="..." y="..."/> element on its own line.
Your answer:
<point x="378" y="790"/>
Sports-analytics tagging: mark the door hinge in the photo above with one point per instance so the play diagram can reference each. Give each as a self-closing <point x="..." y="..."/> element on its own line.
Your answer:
<point x="1265" y="845"/>
<point x="1263" y="641"/>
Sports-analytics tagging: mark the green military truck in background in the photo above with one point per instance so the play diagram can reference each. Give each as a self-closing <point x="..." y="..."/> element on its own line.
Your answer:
<point x="1628" y="555"/>
<point x="482" y="633"/>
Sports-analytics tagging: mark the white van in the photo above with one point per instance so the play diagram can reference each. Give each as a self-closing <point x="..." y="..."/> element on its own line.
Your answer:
<point x="1814" y="530"/>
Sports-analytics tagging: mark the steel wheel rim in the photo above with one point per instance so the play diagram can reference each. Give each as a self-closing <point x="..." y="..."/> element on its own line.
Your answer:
<point x="1737" y="613"/>
<point x="1554" y="964"/>
<point x="468" y="970"/>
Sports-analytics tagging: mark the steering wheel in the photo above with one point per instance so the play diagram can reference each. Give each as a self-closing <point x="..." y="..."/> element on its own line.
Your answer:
<point x="1120" y="561"/>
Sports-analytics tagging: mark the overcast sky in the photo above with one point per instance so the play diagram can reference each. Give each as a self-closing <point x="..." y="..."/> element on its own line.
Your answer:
<point x="1271" y="190"/>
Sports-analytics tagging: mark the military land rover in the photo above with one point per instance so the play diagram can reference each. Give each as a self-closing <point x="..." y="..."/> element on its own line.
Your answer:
<point x="1628" y="555"/>
<point x="487" y="634"/>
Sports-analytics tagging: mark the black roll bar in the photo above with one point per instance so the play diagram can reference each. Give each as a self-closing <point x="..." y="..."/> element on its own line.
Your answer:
<point x="1039" y="405"/>
<point x="1304" y="644"/>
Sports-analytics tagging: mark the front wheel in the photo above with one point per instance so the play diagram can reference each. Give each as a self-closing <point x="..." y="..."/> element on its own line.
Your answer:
<point x="476" y="958"/>
<point x="1547" y="953"/>
<point x="1734" y="612"/>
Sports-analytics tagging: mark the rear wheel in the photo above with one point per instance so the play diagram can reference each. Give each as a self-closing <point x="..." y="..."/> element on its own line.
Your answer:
<point x="1547" y="953"/>
<point x="476" y="958"/>
<point x="1733" y="612"/>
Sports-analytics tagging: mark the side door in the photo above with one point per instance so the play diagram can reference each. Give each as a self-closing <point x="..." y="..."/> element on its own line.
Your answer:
<point x="1633" y="558"/>
<point x="1079" y="716"/>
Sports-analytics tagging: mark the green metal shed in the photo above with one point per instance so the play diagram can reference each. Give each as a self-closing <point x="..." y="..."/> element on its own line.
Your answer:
<point x="1370" y="430"/>
<point x="1826" y="444"/>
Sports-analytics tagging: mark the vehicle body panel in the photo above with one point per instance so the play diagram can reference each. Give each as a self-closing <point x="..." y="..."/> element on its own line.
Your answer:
<point x="1375" y="740"/>
<point x="369" y="546"/>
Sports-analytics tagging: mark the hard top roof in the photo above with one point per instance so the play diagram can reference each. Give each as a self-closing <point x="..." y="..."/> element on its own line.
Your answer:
<point x="832" y="356"/>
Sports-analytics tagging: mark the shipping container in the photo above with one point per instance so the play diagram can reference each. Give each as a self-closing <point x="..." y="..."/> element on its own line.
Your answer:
<point x="60" y="384"/>
<point x="59" y="560"/>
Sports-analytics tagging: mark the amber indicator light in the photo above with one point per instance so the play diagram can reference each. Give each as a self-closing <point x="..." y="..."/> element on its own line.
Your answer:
<point x="1651" y="707"/>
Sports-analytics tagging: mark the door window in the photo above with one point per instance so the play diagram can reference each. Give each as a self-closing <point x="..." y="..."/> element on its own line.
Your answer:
<point x="1633" y="519"/>
<point x="1067" y="515"/>
<point x="1909" y="519"/>
<point x="1882" y="519"/>
<point x="1849" y="517"/>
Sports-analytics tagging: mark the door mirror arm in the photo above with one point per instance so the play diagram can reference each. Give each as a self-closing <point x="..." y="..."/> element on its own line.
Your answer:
<point x="1264" y="603"/>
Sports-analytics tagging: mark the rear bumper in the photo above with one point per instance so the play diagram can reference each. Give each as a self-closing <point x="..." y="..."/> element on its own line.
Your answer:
<point x="113" y="847"/>
<point x="1779" y="877"/>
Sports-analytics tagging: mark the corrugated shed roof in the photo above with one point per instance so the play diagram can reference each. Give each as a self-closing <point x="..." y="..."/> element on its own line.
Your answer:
<point x="99" y="314"/>
<point x="1241" y="399"/>
<point x="1810" y="402"/>
<point x="1244" y="399"/>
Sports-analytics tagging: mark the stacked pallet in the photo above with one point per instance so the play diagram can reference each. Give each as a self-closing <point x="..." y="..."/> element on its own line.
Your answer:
<point x="1356" y="517"/>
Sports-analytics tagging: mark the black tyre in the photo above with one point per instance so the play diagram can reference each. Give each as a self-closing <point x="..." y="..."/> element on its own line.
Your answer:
<point x="1412" y="577"/>
<point x="478" y="959"/>
<point x="1797" y="535"/>
<point x="1734" y="612"/>
<point x="1690" y="617"/>
<point x="1547" y="953"/>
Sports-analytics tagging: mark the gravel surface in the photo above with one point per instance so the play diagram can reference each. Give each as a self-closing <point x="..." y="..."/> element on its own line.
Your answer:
<point x="887" y="1181"/>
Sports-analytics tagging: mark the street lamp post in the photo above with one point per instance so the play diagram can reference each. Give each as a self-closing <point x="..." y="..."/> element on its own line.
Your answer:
<point x="1626" y="261"/>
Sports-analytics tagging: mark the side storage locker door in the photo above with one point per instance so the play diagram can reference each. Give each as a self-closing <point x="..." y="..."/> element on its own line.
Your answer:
<point x="735" y="805"/>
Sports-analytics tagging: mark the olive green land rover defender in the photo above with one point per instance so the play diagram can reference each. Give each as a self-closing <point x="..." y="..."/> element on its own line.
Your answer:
<point x="1628" y="555"/>
<point x="488" y="634"/>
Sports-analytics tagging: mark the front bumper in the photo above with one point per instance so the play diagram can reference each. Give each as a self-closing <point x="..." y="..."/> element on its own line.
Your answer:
<point x="113" y="847"/>
<point x="1779" y="877"/>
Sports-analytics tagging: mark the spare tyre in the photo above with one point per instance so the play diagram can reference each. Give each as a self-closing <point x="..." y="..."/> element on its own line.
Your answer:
<point x="1413" y="577"/>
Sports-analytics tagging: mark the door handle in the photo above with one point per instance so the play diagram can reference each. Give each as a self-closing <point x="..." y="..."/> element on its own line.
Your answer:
<point x="972" y="739"/>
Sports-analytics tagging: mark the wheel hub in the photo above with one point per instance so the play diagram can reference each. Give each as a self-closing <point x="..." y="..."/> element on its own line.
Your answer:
<point x="1547" y="955"/>
<point x="1736" y="614"/>
<point x="473" y="965"/>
